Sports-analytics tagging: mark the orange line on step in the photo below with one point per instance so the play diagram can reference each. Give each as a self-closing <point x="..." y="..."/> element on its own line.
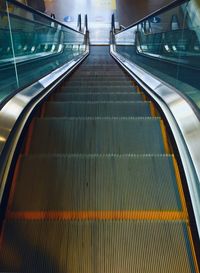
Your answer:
<point x="179" y="184"/>
<point x="98" y="215"/>
<point x="184" y="207"/>
<point x="164" y="135"/>
<point x="138" y="89"/>
<point x="13" y="185"/>
<point x="193" y="249"/>
<point x="29" y="137"/>
<point x="143" y="96"/>
<point x="152" y="109"/>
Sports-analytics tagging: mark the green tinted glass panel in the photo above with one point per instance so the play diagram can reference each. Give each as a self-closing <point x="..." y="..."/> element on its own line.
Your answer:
<point x="6" y="53"/>
<point x="168" y="46"/>
<point x="32" y="46"/>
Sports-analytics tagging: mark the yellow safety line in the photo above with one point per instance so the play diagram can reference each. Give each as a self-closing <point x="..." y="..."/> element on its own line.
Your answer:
<point x="138" y="89"/>
<point x="184" y="207"/>
<point x="193" y="249"/>
<point x="181" y="193"/>
<point x="134" y="83"/>
<point x="164" y="135"/>
<point x="152" y="109"/>
<point x="98" y="215"/>
<point x="143" y="96"/>
<point x="179" y="184"/>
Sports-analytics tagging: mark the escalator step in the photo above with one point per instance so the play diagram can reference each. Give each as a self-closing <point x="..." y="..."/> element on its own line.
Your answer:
<point x="97" y="135"/>
<point x="99" y="77"/>
<point x="98" y="68"/>
<point x="98" y="83"/>
<point x="94" y="89"/>
<point x="95" y="191"/>
<point x="97" y="97"/>
<point x="97" y="109"/>
<point x="98" y="73"/>
<point x="93" y="182"/>
<point x="96" y="246"/>
<point x="100" y="61"/>
<point x="113" y="66"/>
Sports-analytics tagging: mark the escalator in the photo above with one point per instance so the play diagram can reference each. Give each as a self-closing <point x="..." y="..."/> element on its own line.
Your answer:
<point x="96" y="187"/>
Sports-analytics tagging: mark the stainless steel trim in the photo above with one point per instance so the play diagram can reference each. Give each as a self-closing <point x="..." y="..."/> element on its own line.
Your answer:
<point x="184" y="124"/>
<point x="25" y="102"/>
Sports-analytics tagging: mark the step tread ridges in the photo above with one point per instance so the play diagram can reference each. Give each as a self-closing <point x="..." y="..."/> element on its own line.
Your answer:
<point x="123" y="96"/>
<point x="103" y="246"/>
<point x="95" y="183"/>
<point x="91" y="109"/>
<point x="96" y="163"/>
<point x="94" y="89"/>
<point x="97" y="135"/>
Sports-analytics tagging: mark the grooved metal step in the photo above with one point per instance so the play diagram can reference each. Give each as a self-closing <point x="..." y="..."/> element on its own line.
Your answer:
<point x="98" y="73"/>
<point x="96" y="246"/>
<point x="98" y="78"/>
<point x="123" y="96"/>
<point x="98" y="68"/>
<point x="114" y="66"/>
<point x="95" y="191"/>
<point x="94" y="89"/>
<point x="98" y="83"/>
<point x="101" y="61"/>
<point x="97" y="109"/>
<point x="97" y="135"/>
<point x="96" y="182"/>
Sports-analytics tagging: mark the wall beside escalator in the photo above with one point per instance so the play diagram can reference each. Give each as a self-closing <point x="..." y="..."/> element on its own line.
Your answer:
<point x="37" y="4"/>
<point x="129" y="11"/>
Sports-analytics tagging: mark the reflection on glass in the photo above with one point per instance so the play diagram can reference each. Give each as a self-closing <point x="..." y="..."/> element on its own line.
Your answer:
<point x="6" y="52"/>
<point x="31" y="46"/>
<point x="168" y="45"/>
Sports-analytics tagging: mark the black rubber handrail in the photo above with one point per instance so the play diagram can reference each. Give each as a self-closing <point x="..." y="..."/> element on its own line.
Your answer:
<point x="41" y="14"/>
<point x="113" y="22"/>
<point x="86" y="23"/>
<point x="79" y="23"/>
<point x="43" y="24"/>
<point x="172" y="5"/>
